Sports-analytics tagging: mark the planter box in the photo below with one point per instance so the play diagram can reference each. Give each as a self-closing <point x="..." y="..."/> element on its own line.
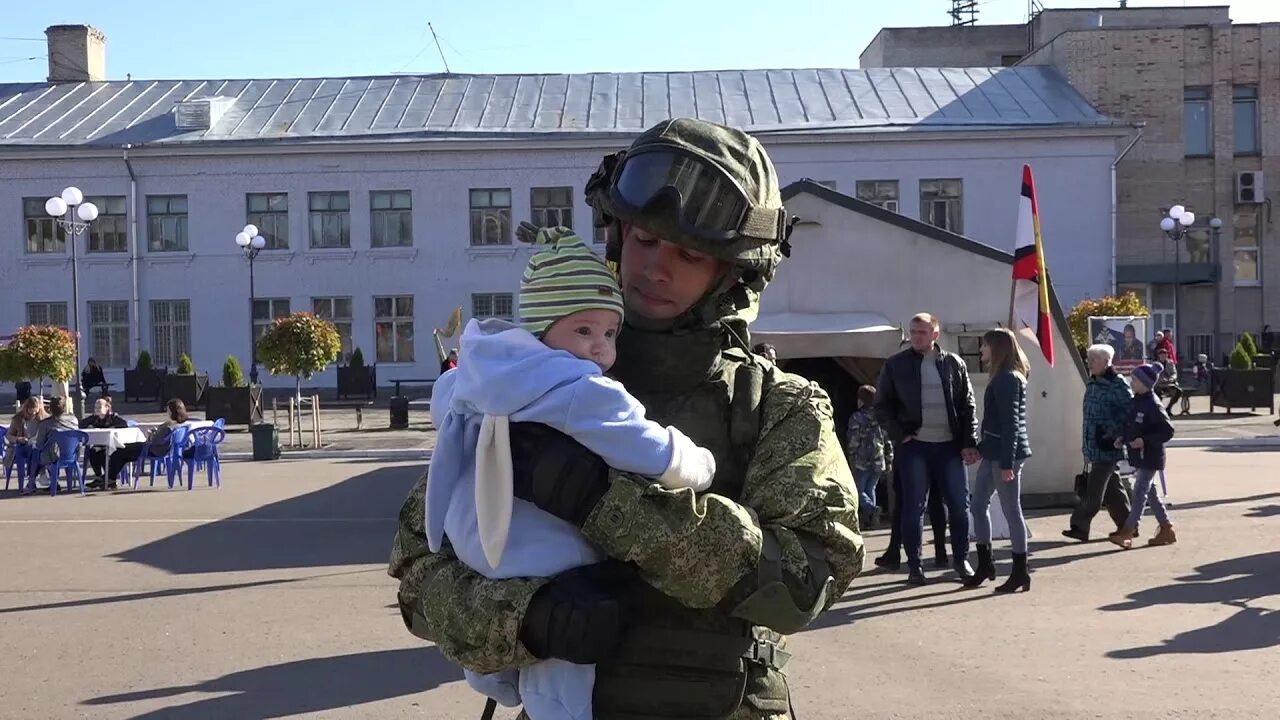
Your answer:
<point x="236" y="405"/>
<point x="1251" y="389"/>
<point x="358" y="381"/>
<point x="144" y="384"/>
<point x="187" y="388"/>
<point x="1264" y="362"/>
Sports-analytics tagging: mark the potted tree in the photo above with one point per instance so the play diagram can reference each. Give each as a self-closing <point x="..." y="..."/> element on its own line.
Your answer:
<point x="234" y="400"/>
<point x="185" y="384"/>
<point x="356" y="378"/>
<point x="40" y="352"/>
<point x="300" y="345"/>
<point x="144" y="381"/>
<point x="1242" y="385"/>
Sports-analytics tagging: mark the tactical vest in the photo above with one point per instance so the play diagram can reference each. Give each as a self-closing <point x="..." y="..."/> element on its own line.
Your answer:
<point x="678" y="662"/>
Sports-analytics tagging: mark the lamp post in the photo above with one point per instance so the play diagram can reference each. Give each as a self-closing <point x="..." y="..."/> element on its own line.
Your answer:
<point x="251" y="243"/>
<point x="1215" y="231"/>
<point x="73" y="215"/>
<point x="1175" y="225"/>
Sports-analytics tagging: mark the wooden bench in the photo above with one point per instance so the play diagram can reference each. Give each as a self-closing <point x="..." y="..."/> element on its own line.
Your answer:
<point x="411" y="381"/>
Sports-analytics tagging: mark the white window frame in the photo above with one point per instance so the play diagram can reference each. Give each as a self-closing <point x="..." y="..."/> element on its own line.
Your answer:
<point x="47" y="313"/>
<point x="546" y="212"/>
<point x="487" y="213"/>
<point x="1197" y="102"/>
<point x="488" y="305"/>
<point x="109" y="332"/>
<point x="276" y="307"/>
<point x="321" y="209"/>
<point x="882" y="193"/>
<point x="1237" y="248"/>
<point x="394" y="321"/>
<point x="273" y="221"/>
<point x="43" y="233"/>
<point x="1245" y="96"/>
<point x="171" y="334"/>
<point x="168" y="230"/>
<point x="941" y="209"/>
<point x="327" y="308"/>
<point x="396" y="215"/>
<point x="112" y="224"/>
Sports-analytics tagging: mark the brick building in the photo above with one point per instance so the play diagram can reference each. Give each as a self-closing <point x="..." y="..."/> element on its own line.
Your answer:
<point x="1204" y="96"/>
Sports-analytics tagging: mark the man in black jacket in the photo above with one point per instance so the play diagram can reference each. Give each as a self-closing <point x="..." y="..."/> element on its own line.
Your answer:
<point x="925" y="401"/>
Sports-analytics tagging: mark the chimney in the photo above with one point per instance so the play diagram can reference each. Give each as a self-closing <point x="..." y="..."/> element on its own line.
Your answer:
<point x="77" y="53"/>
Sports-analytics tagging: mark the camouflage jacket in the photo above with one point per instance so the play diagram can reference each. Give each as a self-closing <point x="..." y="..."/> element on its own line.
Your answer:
<point x="700" y="552"/>
<point x="867" y="443"/>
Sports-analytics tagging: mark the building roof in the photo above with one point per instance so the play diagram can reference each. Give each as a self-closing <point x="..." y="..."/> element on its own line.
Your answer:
<point x="141" y="112"/>
<point x="946" y="237"/>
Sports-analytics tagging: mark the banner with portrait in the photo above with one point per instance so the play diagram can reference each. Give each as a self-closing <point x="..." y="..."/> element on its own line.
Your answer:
<point x="1126" y="335"/>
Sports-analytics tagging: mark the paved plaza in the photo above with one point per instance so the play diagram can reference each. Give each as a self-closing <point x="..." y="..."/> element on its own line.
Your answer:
<point x="269" y="599"/>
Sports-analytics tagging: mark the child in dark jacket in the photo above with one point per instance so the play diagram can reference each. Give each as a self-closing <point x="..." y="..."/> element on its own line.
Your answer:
<point x="1146" y="431"/>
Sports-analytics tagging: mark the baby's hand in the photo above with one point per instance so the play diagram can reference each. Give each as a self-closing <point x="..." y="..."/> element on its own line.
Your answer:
<point x="691" y="466"/>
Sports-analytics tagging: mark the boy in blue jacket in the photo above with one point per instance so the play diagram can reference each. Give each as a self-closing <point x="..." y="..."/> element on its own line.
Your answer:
<point x="549" y="369"/>
<point x="1146" y="431"/>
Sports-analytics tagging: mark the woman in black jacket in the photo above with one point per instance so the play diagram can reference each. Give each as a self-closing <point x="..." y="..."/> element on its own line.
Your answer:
<point x="1145" y="433"/>
<point x="103" y="417"/>
<point x="1004" y="447"/>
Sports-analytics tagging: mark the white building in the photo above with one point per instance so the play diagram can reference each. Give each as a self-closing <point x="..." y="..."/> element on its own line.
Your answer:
<point x="835" y="323"/>
<point x="388" y="201"/>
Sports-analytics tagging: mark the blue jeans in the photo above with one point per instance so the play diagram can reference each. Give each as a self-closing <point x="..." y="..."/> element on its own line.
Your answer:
<point x="1145" y="491"/>
<point x="867" y="481"/>
<point x="918" y="462"/>
<point x="987" y="482"/>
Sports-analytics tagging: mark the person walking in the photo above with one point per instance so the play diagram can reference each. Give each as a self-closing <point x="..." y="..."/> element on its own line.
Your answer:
<point x="870" y="454"/>
<point x="1004" y="448"/>
<point x="925" y="401"/>
<point x="1147" y="429"/>
<point x="1106" y="406"/>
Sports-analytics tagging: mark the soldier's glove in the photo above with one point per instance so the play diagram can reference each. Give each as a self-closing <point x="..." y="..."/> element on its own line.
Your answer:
<point x="581" y="614"/>
<point x="556" y="472"/>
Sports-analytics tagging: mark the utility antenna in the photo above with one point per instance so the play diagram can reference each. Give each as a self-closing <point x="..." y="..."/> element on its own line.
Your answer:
<point x="438" y="48"/>
<point x="963" y="12"/>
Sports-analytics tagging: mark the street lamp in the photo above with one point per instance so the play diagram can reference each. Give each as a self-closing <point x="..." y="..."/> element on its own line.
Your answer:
<point x="1175" y="225"/>
<point x="251" y="243"/>
<point x="73" y="215"/>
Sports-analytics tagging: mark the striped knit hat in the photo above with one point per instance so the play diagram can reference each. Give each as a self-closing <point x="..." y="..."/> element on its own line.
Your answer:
<point x="562" y="279"/>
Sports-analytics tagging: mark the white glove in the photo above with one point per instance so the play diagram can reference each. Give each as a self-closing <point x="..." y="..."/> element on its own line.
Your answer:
<point x="691" y="466"/>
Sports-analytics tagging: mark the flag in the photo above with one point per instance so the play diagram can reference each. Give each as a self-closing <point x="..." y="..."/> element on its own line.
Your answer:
<point x="1029" y="313"/>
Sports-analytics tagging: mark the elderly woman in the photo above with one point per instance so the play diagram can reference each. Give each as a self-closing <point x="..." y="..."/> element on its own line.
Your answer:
<point x="1106" y="407"/>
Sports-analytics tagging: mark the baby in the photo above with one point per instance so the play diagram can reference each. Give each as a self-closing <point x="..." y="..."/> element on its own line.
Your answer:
<point x="549" y="368"/>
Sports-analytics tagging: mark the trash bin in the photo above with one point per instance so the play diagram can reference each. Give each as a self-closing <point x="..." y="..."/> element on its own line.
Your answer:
<point x="399" y="413"/>
<point x="266" y="441"/>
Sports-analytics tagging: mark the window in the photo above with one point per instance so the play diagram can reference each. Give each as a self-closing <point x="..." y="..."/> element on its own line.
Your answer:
<point x="330" y="219"/>
<point x="47" y="313"/>
<point x="941" y="204"/>
<point x="1244" y="112"/>
<point x="491" y="217"/>
<point x="1200" y="344"/>
<point x="1197" y="122"/>
<point x="109" y="333"/>
<point x="492" y="305"/>
<point x="110" y="232"/>
<point x="970" y="350"/>
<point x="879" y="192"/>
<point x="602" y="234"/>
<point x="390" y="211"/>
<point x="44" y="235"/>
<point x="552" y="206"/>
<point x="265" y="312"/>
<point x="269" y="212"/>
<point x="1245" y="246"/>
<point x="828" y="184"/>
<point x="167" y="223"/>
<point x="393" y="328"/>
<point x="336" y="310"/>
<point x="170" y="331"/>
<point x="1199" y="246"/>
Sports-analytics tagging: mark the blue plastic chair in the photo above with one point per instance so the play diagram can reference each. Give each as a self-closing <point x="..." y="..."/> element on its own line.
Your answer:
<point x="220" y="423"/>
<point x="131" y="423"/>
<point x="205" y="442"/>
<point x="70" y="443"/>
<point x="21" y="456"/>
<point x="172" y="460"/>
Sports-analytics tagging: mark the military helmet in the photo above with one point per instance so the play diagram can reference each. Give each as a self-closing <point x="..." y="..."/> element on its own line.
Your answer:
<point x="700" y="185"/>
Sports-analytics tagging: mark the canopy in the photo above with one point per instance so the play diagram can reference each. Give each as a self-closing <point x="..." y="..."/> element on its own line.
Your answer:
<point x="811" y="335"/>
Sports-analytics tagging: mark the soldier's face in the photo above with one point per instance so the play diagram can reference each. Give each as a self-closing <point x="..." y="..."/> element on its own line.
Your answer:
<point x="661" y="280"/>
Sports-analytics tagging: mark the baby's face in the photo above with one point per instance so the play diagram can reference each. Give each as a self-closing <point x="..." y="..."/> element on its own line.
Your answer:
<point x="588" y="334"/>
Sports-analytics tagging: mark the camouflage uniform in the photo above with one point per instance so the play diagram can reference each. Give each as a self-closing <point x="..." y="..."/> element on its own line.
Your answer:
<point x="725" y="574"/>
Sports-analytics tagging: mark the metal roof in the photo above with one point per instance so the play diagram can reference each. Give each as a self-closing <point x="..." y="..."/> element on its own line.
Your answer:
<point x="137" y="112"/>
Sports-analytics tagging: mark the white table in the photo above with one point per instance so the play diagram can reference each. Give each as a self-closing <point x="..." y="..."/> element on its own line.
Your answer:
<point x="114" y="438"/>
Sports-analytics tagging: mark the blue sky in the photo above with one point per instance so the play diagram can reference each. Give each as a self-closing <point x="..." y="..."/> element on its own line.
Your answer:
<point x="265" y="39"/>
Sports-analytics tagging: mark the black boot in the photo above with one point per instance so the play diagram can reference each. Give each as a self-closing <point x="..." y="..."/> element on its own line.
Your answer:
<point x="940" y="560"/>
<point x="986" y="567"/>
<point x="915" y="574"/>
<point x="889" y="561"/>
<point x="1018" y="579"/>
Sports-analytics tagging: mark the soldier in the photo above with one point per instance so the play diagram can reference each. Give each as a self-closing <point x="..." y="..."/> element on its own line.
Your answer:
<point x="688" y="617"/>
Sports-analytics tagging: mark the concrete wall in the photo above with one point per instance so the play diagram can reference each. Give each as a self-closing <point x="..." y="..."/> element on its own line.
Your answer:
<point x="1140" y="75"/>
<point x="441" y="270"/>
<point x="1051" y="23"/>
<point x="945" y="46"/>
<point x="896" y="273"/>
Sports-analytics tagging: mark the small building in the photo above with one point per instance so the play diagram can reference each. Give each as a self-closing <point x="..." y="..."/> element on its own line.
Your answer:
<point x="835" y="323"/>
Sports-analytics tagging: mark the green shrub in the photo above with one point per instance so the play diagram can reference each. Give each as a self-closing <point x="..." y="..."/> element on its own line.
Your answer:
<point x="184" y="365"/>
<point x="1240" y="358"/>
<point x="1250" y="347"/>
<point x="144" y="361"/>
<point x="232" y="375"/>
<point x="357" y="358"/>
